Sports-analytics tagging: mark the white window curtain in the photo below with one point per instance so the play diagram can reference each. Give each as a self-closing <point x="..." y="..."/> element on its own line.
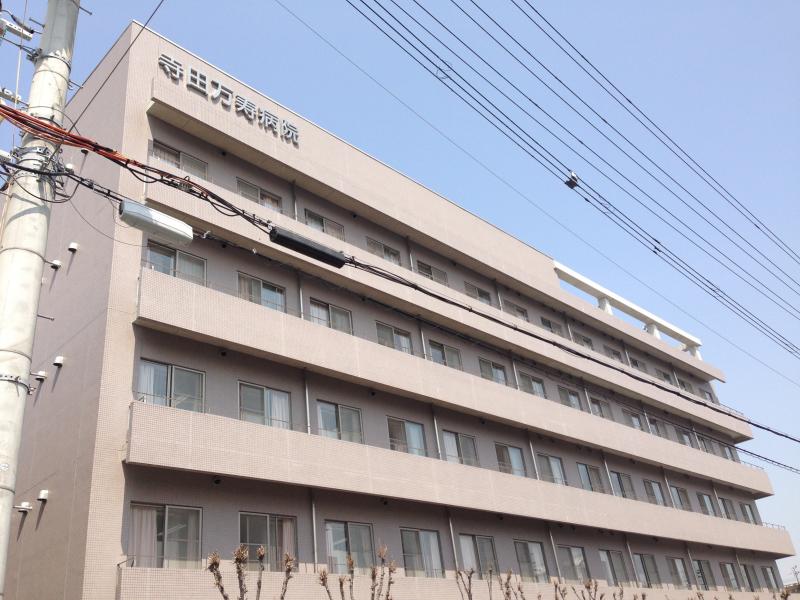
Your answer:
<point x="143" y="548"/>
<point x="280" y="413"/>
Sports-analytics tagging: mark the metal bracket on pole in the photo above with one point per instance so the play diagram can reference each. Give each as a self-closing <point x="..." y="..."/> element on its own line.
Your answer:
<point x="15" y="379"/>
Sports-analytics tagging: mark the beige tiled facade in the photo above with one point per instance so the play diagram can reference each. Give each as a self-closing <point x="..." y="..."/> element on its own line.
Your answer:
<point x="101" y="441"/>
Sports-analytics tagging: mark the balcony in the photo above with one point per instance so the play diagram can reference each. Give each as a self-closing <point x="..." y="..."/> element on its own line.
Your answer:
<point x="316" y="461"/>
<point x="529" y="340"/>
<point x="193" y="311"/>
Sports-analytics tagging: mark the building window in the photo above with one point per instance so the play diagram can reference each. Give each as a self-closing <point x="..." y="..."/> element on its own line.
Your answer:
<point x="729" y="452"/>
<point x="634" y="420"/>
<point x="422" y="555"/>
<point x="478" y="293"/>
<point x="706" y="445"/>
<point x="678" y="572"/>
<point x="655" y="495"/>
<point x="460" y="448"/>
<point x="551" y="469"/>
<point x="493" y="371"/>
<point x="431" y="273"/>
<point x="684" y="436"/>
<point x="510" y="460"/>
<point x="614" y="568"/>
<point x="516" y="310"/>
<point x="583" y="340"/>
<point x="339" y="421"/>
<point x="532" y="564"/>
<point x="727" y="509"/>
<point x="532" y="385"/>
<point x="176" y="263"/>
<point x="613" y="353"/>
<point x="703" y="574"/>
<point x="748" y="513"/>
<point x="569" y="398"/>
<point x="590" y="478"/>
<point x="276" y="533"/>
<point x="445" y="355"/>
<point x="385" y="252"/>
<point x="180" y="160"/>
<point x="601" y="408"/>
<point x="751" y="578"/>
<point x="262" y="292"/>
<point x="331" y="316"/>
<point x="638" y="364"/>
<point x="349" y="539"/>
<point x="665" y="376"/>
<point x="407" y="436"/>
<point x="685" y="386"/>
<point x="572" y="561"/>
<point x="265" y="406"/>
<point x="769" y="578"/>
<point x="324" y="224"/>
<point x="706" y="504"/>
<point x="680" y="498"/>
<point x="658" y="428"/>
<point x="729" y="577"/>
<point x="707" y="396"/>
<point x="477" y="552"/>
<point x="622" y="485"/>
<point x="552" y="327"/>
<point x="258" y="195"/>
<point x="646" y="570"/>
<point x="168" y="385"/>
<point x="393" y="337"/>
<point x="165" y="537"/>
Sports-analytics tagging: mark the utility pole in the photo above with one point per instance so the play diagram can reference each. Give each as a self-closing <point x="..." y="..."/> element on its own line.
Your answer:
<point x="22" y="249"/>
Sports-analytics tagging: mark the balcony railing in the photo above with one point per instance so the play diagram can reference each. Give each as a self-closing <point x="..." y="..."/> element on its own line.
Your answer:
<point x="469" y="462"/>
<point x="412" y="351"/>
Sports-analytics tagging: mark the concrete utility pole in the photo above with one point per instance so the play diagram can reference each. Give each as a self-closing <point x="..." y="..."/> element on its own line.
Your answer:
<point x="22" y="249"/>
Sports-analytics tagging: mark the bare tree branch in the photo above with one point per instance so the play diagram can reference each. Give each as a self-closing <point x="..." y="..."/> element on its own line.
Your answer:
<point x="213" y="567"/>
<point x="288" y="565"/>
<point x="260" y="553"/>
<point x="240" y="562"/>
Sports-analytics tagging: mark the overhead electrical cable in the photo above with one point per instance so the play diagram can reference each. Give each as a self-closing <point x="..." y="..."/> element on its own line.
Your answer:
<point x="590" y="195"/>
<point x="578" y="237"/>
<point x="687" y="204"/>
<point x="730" y="265"/>
<point x="681" y="153"/>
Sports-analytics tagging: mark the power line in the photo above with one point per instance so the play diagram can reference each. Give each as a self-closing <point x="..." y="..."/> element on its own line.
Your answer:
<point x="629" y="142"/>
<point x="622" y="150"/>
<point x="586" y="192"/>
<point x="694" y="166"/>
<point x="528" y="199"/>
<point x="782" y="303"/>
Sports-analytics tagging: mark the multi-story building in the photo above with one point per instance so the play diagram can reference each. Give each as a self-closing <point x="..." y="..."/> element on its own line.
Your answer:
<point x="234" y="391"/>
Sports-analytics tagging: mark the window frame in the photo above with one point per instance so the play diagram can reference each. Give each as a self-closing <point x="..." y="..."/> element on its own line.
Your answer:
<point x="424" y="448"/>
<point x="608" y="566"/>
<point x="534" y="380"/>
<point x="278" y="564"/>
<point x="418" y="530"/>
<point x="510" y="468"/>
<point x="640" y="568"/>
<point x="613" y="353"/>
<point x="177" y="254"/>
<point x="348" y="543"/>
<point x="171" y="383"/>
<point x="621" y="485"/>
<point x="546" y="576"/>
<point x="588" y="469"/>
<point x="165" y="507"/>
<point x="374" y="245"/>
<point x="444" y="350"/>
<point x="551" y="326"/>
<point x="550" y="457"/>
<point x="328" y="225"/>
<point x="260" y="192"/>
<point x="181" y="156"/>
<point x="329" y="306"/>
<point x="263" y="282"/>
<point x="480" y="572"/>
<point x="396" y="332"/>
<point x="516" y="310"/>
<point x="654" y="498"/>
<point x="267" y="414"/>
<point x="338" y="407"/>
<point x="460" y="456"/>
<point x="474" y="291"/>
<point x="573" y="564"/>
<point x="494" y="366"/>
<point x="678" y="560"/>
<point x="568" y="392"/>
<point x="434" y="271"/>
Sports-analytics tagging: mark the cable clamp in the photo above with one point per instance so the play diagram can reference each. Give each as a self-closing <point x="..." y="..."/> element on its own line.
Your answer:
<point x="15" y="379"/>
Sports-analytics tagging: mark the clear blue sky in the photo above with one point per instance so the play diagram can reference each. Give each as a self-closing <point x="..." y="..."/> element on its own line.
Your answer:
<point x="720" y="77"/>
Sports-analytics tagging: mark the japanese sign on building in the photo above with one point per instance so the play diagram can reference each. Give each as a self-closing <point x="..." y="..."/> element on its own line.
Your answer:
<point x="225" y="97"/>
